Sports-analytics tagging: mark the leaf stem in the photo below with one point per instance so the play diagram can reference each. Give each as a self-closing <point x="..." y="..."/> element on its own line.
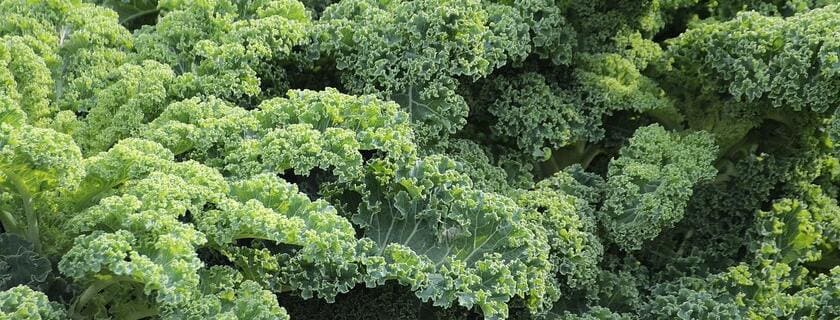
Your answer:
<point x="580" y="153"/>
<point x="10" y="224"/>
<point x="590" y="155"/>
<point x="138" y="15"/>
<point x="88" y="294"/>
<point x="32" y="232"/>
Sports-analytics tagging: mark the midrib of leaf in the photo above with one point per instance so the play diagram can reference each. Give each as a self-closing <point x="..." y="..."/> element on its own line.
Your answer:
<point x="414" y="230"/>
<point x="59" y="75"/>
<point x="477" y="248"/>
<point x="411" y="103"/>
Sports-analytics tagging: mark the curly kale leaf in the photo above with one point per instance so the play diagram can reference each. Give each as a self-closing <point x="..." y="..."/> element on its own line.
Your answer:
<point x="766" y="291"/>
<point x="571" y="230"/>
<point x="537" y="116"/>
<point x="76" y="43"/>
<point x="20" y="264"/>
<point x="414" y="51"/>
<point x="451" y="243"/>
<point x="269" y="213"/>
<point x="23" y="303"/>
<point x="650" y="183"/>
<point x="225" y="294"/>
<point x="763" y="61"/>
<point x="117" y="107"/>
<point x="25" y="79"/>
<point x="223" y="48"/>
<point x="36" y="166"/>
<point x="308" y="130"/>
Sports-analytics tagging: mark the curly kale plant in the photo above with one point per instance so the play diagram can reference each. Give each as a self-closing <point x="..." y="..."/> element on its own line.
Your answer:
<point x="419" y="159"/>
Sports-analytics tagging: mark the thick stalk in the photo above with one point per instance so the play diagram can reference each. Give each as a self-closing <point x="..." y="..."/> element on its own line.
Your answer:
<point x="32" y="232"/>
<point x="590" y="155"/>
<point x="670" y="118"/>
<point x="88" y="294"/>
<point x="562" y="158"/>
<point x="10" y="224"/>
<point x="578" y="153"/>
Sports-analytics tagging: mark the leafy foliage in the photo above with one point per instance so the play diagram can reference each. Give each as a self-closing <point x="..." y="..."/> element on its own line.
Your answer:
<point x="419" y="159"/>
